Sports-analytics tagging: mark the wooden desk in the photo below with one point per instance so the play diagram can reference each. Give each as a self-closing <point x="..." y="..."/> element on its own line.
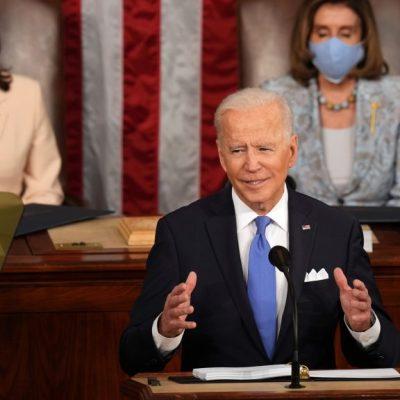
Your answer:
<point x="61" y="316"/>
<point x="62" y="313"/>
<point x="137" y="388"/>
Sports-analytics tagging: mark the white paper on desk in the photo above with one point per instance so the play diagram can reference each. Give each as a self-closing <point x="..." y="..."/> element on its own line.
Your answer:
<point x="245" y="373"/>
<point x="284" y="370"/>
<point x="374" y="373"/>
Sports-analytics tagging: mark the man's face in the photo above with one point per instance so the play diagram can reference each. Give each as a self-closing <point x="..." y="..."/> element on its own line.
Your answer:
<point x="256" y="154"/>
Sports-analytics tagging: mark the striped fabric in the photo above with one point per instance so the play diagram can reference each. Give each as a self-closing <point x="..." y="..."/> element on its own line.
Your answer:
<point x="142" y="81"/>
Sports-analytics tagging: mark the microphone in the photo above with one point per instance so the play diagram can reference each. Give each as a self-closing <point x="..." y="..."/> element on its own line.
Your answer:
<point x="279" y="256"/>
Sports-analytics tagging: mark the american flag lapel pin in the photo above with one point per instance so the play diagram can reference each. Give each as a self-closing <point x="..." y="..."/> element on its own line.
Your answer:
<point x="306" y="227"/>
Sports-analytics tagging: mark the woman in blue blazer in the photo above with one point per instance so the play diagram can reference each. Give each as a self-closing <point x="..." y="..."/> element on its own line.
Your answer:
<point x="346" y="109"/>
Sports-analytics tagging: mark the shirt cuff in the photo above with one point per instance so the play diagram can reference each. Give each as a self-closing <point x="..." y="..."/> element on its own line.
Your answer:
<point x="368" y="337"/>
<point x="164" y="344"/>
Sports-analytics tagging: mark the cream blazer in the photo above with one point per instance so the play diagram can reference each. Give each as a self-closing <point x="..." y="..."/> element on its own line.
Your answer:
<point x="30" y="160"/>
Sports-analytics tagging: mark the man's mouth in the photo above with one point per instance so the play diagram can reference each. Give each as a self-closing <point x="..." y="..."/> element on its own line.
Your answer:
<point x="253" y="182"/>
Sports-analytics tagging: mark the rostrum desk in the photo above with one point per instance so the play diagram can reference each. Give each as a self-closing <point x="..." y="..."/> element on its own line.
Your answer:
<point x="138" y="388"/>
<point x="62" y="313"/>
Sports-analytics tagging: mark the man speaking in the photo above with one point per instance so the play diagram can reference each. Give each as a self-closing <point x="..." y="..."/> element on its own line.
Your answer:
<point x="210" y="287"/>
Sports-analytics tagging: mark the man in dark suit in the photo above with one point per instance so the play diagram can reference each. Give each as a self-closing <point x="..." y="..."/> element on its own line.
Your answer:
<point x="205" y="289"/>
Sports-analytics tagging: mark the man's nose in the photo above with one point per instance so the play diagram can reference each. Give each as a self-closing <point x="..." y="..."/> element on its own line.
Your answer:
<point x="252" y="162"/>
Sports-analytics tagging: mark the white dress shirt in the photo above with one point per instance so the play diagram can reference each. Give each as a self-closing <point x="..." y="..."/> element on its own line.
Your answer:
<point x="277" y="233"/>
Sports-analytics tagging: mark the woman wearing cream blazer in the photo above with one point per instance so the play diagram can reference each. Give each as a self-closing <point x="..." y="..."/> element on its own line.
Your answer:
<point x="30" y="161"/>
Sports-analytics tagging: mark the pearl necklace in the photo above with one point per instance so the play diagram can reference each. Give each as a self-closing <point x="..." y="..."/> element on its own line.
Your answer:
<point x="338" y="106"/>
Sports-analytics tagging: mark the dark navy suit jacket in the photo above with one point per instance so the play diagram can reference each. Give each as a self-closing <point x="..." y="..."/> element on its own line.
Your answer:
<point x="202" y="238"/>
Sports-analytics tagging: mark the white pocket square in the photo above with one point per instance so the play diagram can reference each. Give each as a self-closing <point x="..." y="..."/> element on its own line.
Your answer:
<point x="314" y="276"/>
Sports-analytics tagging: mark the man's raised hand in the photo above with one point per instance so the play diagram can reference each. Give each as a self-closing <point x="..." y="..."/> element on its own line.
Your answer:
<point x="176" y="309"/>
<point x="356" y="302"/>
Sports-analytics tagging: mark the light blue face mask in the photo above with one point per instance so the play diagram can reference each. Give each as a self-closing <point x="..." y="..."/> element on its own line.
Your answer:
<point x="335" y="59"/>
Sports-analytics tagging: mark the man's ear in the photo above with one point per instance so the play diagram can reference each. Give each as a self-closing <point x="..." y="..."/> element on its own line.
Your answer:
<point x="293" y="147"/>
<point x="220" y="154"/>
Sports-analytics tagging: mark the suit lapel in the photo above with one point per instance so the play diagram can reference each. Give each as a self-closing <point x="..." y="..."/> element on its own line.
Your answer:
<point x="302" y="231"/>
<point x="223" y="237"/>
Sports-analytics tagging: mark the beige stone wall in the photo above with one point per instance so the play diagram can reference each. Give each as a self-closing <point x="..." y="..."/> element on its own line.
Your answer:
<point x="265" y="27"/>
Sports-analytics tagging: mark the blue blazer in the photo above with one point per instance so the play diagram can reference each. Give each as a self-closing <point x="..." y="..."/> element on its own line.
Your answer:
<point x="202" y="237"/>
<point x="376" y="169"/>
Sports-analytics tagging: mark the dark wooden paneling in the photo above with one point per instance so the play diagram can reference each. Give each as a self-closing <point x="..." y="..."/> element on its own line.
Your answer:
<point x="60" y="355"/>
<point x="59" y="297"/>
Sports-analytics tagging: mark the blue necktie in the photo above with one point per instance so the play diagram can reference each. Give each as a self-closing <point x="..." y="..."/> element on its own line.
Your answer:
<point x="261" y="286"/>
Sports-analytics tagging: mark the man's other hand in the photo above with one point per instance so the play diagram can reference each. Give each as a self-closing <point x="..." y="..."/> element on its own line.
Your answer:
<point x="176" y="309"/>
<point x="356" y="302"/>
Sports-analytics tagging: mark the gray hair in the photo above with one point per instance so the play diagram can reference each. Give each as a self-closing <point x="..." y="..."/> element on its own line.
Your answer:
<point x="254" y="97"/>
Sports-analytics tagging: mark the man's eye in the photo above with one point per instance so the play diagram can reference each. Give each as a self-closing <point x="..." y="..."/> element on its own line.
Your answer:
<point x="236" y="151"/>
<point x="264" y="149"/>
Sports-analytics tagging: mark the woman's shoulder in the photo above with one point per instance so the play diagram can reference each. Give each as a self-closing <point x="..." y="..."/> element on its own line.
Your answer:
<point x="23" y="83"/>
<point x="385" y="90"/>
<point x="391" y="84"/>
<point x="24" y="92"/>
<point x="297" y="95"/>
<point x="388" y="85"/>
<point x="391" y="80"/>
<point x="19" y="80"/>
<point x="283" y="84"/>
